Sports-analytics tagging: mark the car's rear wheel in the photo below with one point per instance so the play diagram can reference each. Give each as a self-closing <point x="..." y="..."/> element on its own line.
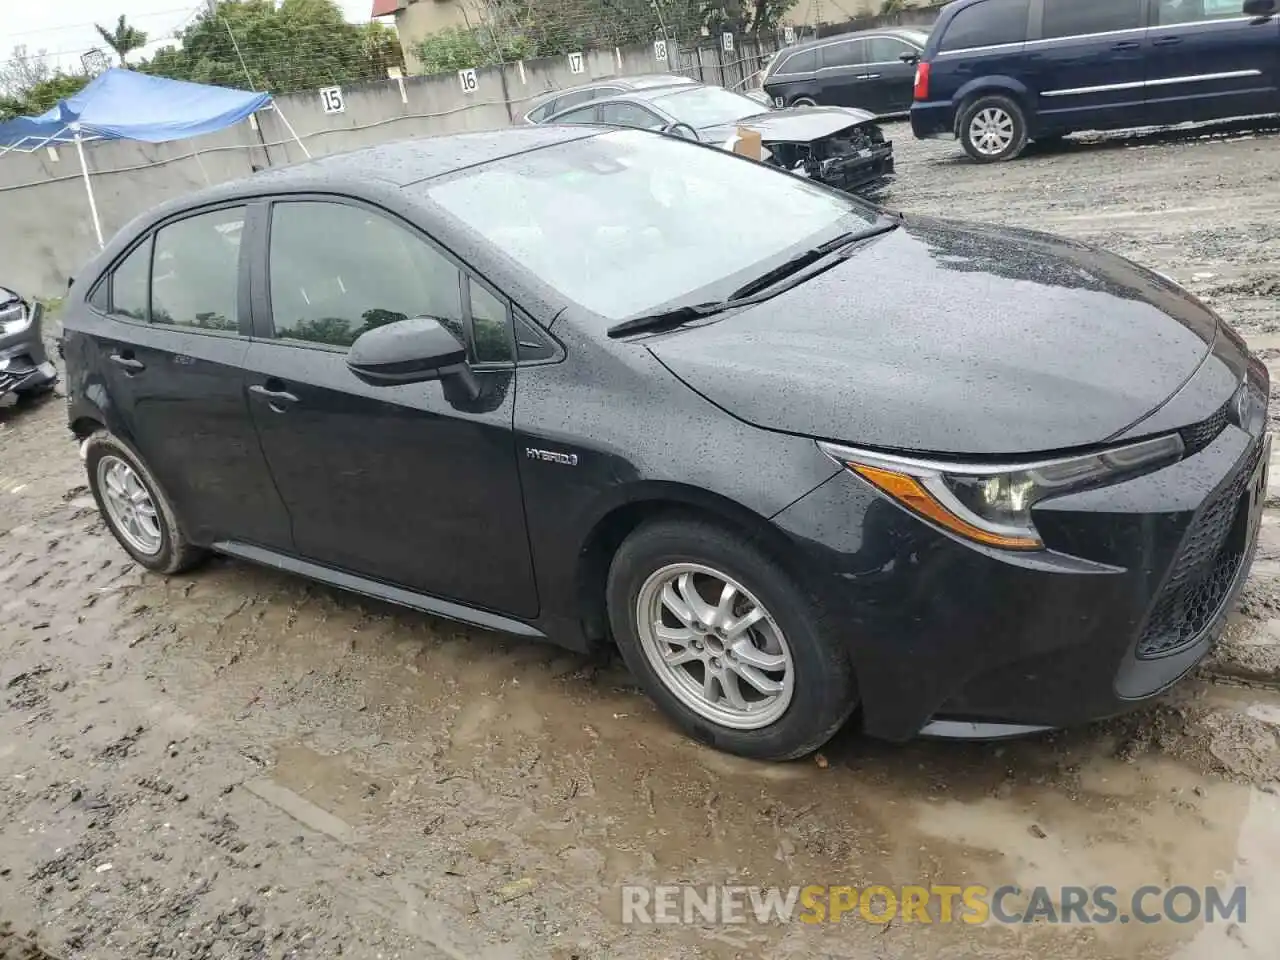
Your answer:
<point x="993" y="128"/>
<point x="135" y="508"/>
<point x="725" y="643"/>
<point x="804" y="102"/>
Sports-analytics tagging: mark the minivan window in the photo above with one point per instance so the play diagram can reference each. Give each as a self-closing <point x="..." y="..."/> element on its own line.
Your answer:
<point x="195" y="271"/>
<point x="844" y="54"/>
<point x="806" y="61"/>
<point x="987" y="24"/>
<point x="887" y="49"/>
<point x="1171" y="12"/>
<point x="338" y="270"/>
<point x="1074" y="18"/>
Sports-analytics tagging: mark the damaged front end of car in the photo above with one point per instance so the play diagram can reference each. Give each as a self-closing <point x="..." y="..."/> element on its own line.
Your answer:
<point x="856" y="158"/>
<point x="24" y="362"/>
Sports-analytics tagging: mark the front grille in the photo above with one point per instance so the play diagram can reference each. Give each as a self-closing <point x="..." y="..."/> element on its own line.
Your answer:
<point x="1198" y="436"/>
<point x="1203" y="571"/>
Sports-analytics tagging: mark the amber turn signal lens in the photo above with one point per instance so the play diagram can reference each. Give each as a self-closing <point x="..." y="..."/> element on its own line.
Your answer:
<point x="908" y="492"/>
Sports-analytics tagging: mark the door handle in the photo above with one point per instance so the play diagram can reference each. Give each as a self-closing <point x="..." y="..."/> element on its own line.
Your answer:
<point x="871" y="76"/>
<point x="128" y="361"/>
<point x="272" y="395"/>
<point x="1126" y="45"/>
<point x="1166" y="41"/>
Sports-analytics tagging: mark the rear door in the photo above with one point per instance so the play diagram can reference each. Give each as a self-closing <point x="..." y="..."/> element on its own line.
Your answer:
<point x="795" y="76"/>
<point x="1208" y="60"/>
<point x="889" y="81"/>
<point x="1088" y="63"/>
<point x="414" y="485"/>
<point x="842" y="75"/>
<point x="170" y="323"/>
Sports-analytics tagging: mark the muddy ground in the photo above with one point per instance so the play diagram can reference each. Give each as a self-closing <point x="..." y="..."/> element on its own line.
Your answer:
<point x="237" y="763"/>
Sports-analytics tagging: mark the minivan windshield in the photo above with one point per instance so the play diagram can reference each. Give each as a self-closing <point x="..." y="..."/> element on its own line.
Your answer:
<point x="708" y="106"/>
<point x="628" y="222"/>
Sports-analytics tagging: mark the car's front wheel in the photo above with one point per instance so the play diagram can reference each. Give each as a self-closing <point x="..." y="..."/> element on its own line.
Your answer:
<point x="804" y="102"/>
<point x="135" y="508"/>
<point x="726" y="643"/>
<point x="993" y="128"/>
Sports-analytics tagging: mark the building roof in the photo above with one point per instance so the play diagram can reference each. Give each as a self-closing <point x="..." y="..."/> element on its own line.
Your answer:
<point x="385" y="8"/>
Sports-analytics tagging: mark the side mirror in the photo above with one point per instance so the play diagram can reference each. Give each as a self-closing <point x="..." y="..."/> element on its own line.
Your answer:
<point x="1259" y="8"/>
<point x="409" y="351"/>
<point x="909" y="57"/>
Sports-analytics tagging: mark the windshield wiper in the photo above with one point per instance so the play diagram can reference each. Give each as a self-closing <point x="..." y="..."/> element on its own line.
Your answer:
<point x="753" y="292"/>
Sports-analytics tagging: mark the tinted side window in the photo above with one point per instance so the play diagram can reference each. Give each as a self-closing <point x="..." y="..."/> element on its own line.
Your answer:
<point x="804" y="62"/>
<point x="129" y="283"/>
<point x="542" y="112"/>
<point x="338" y="270"/>
<point x="490" y="330"/>
<point x="1170" y="12"/>
<point x="844" y="54"/>
<point x="575" y="98"/>
<point x="987" y="24"/>
<point x="195" y="275"/>
<point x="1072" y="18"/>
<point x="887" y="49"/>
<point x="629" y="114"/>
<point x="583" y="115"/>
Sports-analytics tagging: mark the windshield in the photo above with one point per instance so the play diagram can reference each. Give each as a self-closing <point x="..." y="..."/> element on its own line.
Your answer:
<point x="627" y="222"/>
<point x="707" y="106"/>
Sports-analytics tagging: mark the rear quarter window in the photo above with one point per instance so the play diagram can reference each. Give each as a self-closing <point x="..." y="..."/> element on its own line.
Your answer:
<point x="987" y="24"/>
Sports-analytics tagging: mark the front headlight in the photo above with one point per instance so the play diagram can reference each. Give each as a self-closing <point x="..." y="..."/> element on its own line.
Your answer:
<point x="14" y="319"/>
<point x="991" y="504"/>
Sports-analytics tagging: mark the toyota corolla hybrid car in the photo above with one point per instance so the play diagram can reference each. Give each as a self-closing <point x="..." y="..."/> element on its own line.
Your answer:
<point x="795" y="457"/>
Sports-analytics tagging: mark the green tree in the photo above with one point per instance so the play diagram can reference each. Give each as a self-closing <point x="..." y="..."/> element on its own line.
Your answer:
<point x="41" y="96"/>
<point x="123" y="38"/>
<point x="298" y="45"/>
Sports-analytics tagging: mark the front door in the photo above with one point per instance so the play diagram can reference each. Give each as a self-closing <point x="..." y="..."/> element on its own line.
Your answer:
<point x="1208" y="60"/>
<point x="170" y="324"/>
<point x="890" y="81"/>
<point x="414" y="485"/>
<point x="1088" y="66"/>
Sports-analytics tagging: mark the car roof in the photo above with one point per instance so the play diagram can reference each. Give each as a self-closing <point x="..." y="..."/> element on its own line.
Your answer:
<point x="904" y="32"/>
<point x="648" y="94"/>
<point x="638" y="81"/>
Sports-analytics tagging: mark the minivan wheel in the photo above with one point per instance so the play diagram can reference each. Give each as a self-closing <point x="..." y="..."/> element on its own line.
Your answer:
<point x="135" y="508"/>
<point x="992" y="129"/>
<point x="804" y="102"/>
<point x="725" y="643"/>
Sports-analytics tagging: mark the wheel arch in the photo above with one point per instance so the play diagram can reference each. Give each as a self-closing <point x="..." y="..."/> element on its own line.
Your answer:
<point x="646" y="502"/>
<point x="1003" y="86"/>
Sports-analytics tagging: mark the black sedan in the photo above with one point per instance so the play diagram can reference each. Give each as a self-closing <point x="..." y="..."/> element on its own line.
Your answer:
<point x="793" y="456"/>
<point x="840" y="147"/>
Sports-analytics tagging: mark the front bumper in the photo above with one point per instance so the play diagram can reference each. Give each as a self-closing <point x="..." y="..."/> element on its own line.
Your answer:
<point x="1131" y="594"/>
<point x="24" y="362"/>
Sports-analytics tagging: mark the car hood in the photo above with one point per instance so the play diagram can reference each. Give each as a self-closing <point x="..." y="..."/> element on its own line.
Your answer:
<point x="793" y="125"/>
<point x="956" y="339"/>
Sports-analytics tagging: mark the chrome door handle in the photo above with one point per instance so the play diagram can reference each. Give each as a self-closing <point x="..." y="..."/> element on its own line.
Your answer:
<point x="870" y="76"/>
<point x="272" y="396"/>
<point x="1167" y="41"/>
<point x="130" y="363"/>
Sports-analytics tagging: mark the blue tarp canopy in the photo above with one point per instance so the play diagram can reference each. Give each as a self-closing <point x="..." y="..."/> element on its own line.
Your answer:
<point x="124" y="105"/>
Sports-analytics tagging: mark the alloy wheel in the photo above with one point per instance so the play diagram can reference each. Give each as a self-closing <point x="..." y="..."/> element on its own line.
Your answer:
<point x="992" y="131"/>
<point x="129" y="504"/>
<point x="715" y="646"/>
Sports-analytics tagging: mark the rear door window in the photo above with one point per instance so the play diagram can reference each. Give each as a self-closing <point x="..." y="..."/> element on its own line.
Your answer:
<point x="1074" y="18"/>
<point x="195" y="273"/>
<point x="806" y="61"/>
<point x="846" y="54"/>
<point x="575" y="98"/>
<point x="988" y="24"/>
<point x="1172" y="12"/>
<point x="629" y="115"/>
<point x="581" y="115"/>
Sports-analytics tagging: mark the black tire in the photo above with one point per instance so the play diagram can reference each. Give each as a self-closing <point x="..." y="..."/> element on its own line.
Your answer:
<point x="804" y="102"/>
<point x="824" y="692"/>
<point x="176" y="553"/>
<point x="997" y="106"/>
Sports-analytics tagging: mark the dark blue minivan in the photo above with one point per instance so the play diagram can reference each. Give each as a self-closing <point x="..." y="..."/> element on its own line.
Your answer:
<point x="998" y="73"/>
